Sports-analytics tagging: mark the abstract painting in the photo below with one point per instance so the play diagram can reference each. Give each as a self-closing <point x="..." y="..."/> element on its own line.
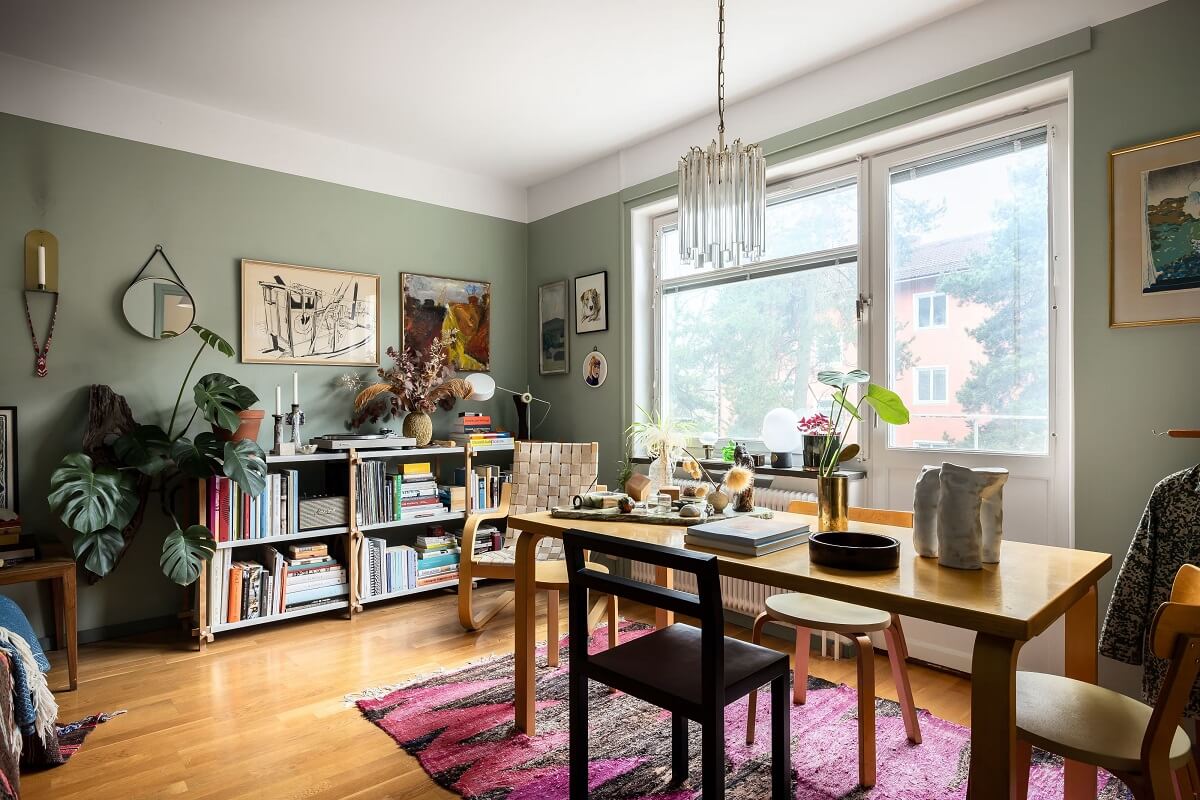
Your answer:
<point x="305" y="315"/>
<point x="552" y="325"/>
<point x="1155" y="216"/>
<point x="8" y="461"/>
<point x="591" y="302"/>
<point x="458" y="310"/>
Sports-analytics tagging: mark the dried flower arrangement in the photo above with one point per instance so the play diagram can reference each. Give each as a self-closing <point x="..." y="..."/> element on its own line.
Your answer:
<point x="411" y="384"/>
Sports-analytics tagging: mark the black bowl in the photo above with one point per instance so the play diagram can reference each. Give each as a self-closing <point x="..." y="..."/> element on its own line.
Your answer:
<point x="854" y="550"/>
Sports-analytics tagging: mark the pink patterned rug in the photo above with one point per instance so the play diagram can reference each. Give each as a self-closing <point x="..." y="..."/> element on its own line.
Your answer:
<point x="459" y="725"/>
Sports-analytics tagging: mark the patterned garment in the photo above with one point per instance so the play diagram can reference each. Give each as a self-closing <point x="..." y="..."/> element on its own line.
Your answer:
<point x="1167" y="538"/>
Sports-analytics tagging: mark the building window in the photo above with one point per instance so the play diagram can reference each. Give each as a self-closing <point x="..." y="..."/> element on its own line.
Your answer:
<point x="931" y="310"/>
<point x="733" y="343"/>
<point x="931" y="385"/>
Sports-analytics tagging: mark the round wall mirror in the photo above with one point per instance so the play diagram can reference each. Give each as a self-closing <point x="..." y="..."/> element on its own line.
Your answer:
<point x="158" y="308"/>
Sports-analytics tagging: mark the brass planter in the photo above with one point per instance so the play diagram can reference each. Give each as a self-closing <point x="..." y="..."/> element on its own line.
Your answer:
<point x="833" y="503"/>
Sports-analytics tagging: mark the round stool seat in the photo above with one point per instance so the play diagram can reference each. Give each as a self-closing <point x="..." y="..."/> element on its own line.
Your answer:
<point x="552" y="574"/>
<point x="1088" y="723"/>
<point x="822" y="613"/>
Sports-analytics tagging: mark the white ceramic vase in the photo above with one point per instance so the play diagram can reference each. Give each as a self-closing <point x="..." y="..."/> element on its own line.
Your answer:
<point x="960" y="510"/>
<point x="661" y="472"/>
<point x="925" y="511"/>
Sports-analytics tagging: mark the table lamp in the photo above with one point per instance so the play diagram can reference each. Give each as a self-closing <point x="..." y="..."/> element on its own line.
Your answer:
<point x="781" y="435"/>
<point x="483" y="387"/>
<point x="707" y="440"/>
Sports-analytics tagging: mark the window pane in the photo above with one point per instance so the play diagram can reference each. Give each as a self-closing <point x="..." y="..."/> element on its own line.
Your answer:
<point x="668" y="257"/>
<point x="973" y="227"/>
<point x="812" y="222"/>
<point x="732" y="352"/>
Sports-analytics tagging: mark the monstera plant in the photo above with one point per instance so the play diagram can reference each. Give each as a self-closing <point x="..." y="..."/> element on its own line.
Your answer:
<point x="98" y="501"/>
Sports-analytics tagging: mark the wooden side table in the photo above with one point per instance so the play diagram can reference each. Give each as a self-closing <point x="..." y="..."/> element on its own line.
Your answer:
<point x="61" y="572"/>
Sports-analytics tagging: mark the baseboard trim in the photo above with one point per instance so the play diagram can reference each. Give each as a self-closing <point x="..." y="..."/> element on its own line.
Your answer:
<point x="119" y="630"/>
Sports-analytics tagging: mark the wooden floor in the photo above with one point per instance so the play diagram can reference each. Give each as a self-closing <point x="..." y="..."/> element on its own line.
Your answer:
<point x="260" y="714"/>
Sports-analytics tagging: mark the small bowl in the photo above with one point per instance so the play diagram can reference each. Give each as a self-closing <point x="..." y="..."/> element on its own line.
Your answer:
<point x="308" y="449"/>
<point x="854" y="550"/>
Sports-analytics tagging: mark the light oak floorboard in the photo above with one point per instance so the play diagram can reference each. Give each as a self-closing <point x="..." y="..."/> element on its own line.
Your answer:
<point x="259" y="714"/>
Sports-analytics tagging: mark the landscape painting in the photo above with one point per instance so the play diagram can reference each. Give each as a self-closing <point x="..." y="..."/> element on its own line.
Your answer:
<point x="305" y="315"/>
<point x="552" y="324"/>
<point x="1172" y="228"/>
<point x="458" y="310"/>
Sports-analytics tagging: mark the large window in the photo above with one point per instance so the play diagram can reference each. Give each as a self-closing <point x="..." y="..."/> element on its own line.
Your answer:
<point x="735" y="342"/>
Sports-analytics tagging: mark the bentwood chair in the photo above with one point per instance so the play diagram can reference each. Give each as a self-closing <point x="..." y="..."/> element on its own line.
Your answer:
<point x="808" y="612"/>
<point x="1144" y="746"/>
<point x="545" y="475"/>
<point x="692" y="672"/>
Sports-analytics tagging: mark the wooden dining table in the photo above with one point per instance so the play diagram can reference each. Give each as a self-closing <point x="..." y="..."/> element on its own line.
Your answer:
<point x="1005" y="604"/>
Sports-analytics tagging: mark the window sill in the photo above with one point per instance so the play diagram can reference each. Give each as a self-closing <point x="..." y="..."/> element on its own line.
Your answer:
<point x="716" y="465"/>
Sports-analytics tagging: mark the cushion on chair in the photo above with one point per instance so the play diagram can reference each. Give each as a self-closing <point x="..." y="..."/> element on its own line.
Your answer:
<point x="1087" y="722"/>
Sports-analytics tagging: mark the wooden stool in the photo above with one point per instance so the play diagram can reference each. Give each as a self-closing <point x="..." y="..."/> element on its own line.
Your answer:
<point x="806" y="612"/>
<point x="61" y="573"/>
<point x="552" y="579"/>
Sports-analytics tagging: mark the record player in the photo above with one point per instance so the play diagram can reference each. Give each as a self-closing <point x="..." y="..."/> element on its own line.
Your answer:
<point x="362" y="441"/>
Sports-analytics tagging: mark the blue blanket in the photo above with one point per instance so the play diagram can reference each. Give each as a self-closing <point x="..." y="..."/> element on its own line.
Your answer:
<point x="13" y="618"/>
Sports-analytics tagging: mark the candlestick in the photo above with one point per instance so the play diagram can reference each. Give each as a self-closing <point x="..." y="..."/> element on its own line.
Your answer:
<point x="41" y="266"/>
<point x="278" y="449"/>
<point x="296" y="420"/>
<point x="278" y="401"/>
<point x="295" y="389"/>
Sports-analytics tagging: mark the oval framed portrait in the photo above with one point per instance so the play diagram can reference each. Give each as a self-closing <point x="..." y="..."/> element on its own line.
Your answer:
<point x="595" y="369"/>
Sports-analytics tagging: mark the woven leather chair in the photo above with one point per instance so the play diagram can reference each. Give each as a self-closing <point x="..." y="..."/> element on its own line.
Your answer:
<point x="545" y="475"/>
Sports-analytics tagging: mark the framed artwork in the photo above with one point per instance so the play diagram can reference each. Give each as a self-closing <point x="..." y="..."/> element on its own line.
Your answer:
<point x="1154" y="225"/>
<point x="305" y="315"/>
<point x="459" y="310"/>
<point x="9" y="499"/>
<point x="591" y="302"/>
<point x="552" y="325"/>
<point x="595" y="369"/>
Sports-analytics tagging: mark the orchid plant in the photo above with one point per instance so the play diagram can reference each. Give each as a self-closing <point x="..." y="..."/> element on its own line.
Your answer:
<point x="887" y="405"/>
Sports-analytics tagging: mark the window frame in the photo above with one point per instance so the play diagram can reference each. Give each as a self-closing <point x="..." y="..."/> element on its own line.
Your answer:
<point x="930" y="296"/>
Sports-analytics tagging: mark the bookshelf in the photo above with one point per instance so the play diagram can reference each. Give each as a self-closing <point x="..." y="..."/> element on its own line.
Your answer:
<point x="351" y="536"/>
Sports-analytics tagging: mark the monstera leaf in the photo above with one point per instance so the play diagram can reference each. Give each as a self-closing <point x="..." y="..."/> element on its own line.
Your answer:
<point x="90" y="498"/>
<point x="220" y="398"/>
<point x="99" y="550"/>
<point x="199" y="457"/>
<point x="244" y="463"/>
<point x="214" y="340"/>
<point x="887" y="405"/>
<point x="184" y="553"/>
<point x="146" y="448"/>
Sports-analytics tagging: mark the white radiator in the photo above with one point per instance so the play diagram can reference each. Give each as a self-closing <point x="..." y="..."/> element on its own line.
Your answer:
<point x="738" y="595"/>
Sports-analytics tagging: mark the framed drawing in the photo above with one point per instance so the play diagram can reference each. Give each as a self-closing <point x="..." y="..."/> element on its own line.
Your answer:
<point x="459" y="310"/>
<point x="595" y="369"/>
<point x="591" y="302"/>
<point x="552" y="325"/>
<point x="9" y="499"/>
<point x="305" y="315"/>
<point x="1154" y="225"/>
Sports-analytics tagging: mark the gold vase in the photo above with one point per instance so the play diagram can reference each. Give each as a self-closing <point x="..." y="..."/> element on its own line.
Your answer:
<point x="833" y="506"/>
<point x="419" y="426"/>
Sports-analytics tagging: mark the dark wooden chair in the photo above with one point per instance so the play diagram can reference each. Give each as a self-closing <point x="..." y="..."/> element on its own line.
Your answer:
<point x="692" y="672"/>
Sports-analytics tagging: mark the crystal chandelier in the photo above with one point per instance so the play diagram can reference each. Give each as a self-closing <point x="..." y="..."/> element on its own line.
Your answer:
<point x="722" y="190"/>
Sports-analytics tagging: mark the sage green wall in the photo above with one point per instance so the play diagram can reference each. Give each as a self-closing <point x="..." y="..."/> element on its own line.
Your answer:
<point x="109" y="201"/>
<point x="1131" y="86"/>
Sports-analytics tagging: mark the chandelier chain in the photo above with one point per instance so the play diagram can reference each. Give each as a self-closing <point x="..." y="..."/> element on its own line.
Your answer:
<point x="721" y="70"/>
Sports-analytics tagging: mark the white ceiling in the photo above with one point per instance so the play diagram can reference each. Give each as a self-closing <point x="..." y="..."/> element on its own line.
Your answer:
<point x="517" y="91"/>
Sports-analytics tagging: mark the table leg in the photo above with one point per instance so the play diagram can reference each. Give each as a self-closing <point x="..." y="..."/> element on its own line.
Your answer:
<point x="1079" y="780"/>
<point x="70" y="624"/>
<point x="993" y="717"/>
<point x="666" y="579"/>
<point x="526" y="630"/>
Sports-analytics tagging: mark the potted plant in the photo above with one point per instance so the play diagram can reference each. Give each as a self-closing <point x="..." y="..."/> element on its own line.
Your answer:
<point x="813" y="430"/>
<point x="663" y="440"/>
<point x="99" y="501"/>
<point x="832" y="494"/>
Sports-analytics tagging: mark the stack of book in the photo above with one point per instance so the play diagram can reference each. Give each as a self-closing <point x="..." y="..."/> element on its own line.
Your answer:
<point x="15" y="546"/>
<point x="487" y="539"/>
<point x="750" y="536"/>
<point x="437" y="557"/>
<point x="234" y="516"/>
<point x="383" y="569"/>
<point x="313" y="577"/>
<point x="475" y="430"/>
<point x="417" y="492"/>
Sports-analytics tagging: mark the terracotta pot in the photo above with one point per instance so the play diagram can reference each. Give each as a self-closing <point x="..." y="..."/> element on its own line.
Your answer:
<point x="419" y="426"/>
<point x="251" y="421"/>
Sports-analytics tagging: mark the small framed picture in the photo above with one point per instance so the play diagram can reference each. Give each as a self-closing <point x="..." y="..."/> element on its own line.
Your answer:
<point x="595" y="369"/>
<point x="1154" y="196"/>
<point x="552" y="328"/>
<point x="591" y="302"/>
<point x="9" y="499"/>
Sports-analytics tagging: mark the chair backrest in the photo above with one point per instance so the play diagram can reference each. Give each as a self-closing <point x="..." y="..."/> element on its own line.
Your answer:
<point x="876" y="516"/>
<point x="549" y="474"/>
<point x="1174" y="634"/>
<point x="705" y="605"/>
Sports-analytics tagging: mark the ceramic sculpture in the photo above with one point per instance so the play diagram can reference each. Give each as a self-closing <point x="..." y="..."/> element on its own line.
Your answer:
<point x="925" y="510"/>
<point x="992" y="515"/>
<point x="958" y="515"/>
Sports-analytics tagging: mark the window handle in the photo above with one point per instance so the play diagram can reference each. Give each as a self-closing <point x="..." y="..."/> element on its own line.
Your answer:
<point x="861" y="304"/>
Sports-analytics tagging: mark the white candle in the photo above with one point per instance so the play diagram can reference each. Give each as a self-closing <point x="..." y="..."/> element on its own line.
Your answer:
<point x="41" y="265"/>
<point x="278" y="400"/>
<point x="295" y="388"/>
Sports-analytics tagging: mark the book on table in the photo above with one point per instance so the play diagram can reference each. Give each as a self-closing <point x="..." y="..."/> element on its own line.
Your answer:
<point x="748" y="535"/>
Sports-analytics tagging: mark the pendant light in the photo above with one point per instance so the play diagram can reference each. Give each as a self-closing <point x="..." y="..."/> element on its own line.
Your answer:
<point x="722" y="190"/>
